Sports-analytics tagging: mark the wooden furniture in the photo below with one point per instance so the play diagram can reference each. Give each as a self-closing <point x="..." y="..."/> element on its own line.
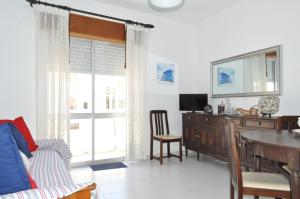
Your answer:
<point x="280" y="146"/>
<point x="205" y="133"/>
<point x="251" y="183"/>
<point x="83" y="193"/>
<point x="160" y="131"/>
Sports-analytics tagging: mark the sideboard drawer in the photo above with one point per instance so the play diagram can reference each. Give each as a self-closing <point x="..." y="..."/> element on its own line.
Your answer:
<point x="189" y="118"/>
<point x="207" y="120"/>
<point x="256" y="123"/>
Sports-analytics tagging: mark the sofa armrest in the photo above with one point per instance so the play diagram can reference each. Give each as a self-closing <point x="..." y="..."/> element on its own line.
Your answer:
<point x="57" y="145"/>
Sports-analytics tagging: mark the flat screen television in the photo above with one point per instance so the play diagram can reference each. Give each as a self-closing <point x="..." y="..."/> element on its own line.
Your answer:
<point x="192" y="102"/>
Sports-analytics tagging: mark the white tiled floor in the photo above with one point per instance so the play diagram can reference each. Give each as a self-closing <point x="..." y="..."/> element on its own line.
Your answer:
<point x="191" y="179"/>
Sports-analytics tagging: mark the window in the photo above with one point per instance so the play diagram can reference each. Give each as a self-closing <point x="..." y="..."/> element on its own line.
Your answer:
<point x="97" y="99"/>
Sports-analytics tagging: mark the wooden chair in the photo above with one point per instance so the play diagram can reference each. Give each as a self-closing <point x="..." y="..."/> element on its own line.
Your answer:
<point x="160" y="132"/>
<point x="251" y="183"/>
<point x="288" y="122"/>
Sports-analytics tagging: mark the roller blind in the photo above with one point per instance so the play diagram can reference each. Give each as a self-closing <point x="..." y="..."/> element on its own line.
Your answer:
<point x="105" y="57"/>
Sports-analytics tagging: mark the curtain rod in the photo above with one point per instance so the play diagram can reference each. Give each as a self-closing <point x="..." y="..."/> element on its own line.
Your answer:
<point x="89" y="13"/>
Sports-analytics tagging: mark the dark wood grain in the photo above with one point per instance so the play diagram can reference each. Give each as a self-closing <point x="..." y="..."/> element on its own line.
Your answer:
<point x="279" y="139"/>
<point x="282" y="146"/>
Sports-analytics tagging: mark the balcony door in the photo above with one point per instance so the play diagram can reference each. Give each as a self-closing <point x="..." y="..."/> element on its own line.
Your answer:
<point x="97" y="101"/>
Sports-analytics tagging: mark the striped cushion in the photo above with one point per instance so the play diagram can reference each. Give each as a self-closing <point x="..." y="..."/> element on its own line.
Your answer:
<point x="48" y="193"/>
<point x="59" y="146"/>
<point x="50" y="173"/>
<point x="48" y="170"/>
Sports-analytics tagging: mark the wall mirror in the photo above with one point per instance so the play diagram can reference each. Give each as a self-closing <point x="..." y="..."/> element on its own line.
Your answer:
<point x="252" y="74"/>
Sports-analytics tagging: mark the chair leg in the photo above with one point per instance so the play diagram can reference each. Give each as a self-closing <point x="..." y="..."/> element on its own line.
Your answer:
<point x="231" y="191"/>
<point x="180" y="150"/>
<point x="151" y="149"/>
<point x="186" y="152"/>
<point x="169" y="154"/>
<point x="161" y="152"/>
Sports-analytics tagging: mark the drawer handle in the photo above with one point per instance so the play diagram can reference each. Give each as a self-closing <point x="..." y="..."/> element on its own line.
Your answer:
<point x="259" y="123"/>
<point x="206" y="119"/>
<point x="189" y="117"/>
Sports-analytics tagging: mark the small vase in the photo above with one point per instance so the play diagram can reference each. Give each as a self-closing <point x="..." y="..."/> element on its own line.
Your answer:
<point x="299" y="122"/>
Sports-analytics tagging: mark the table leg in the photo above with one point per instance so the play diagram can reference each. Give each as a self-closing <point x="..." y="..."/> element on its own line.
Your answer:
<point x="257" y="163"/>
<point x="257" y="167"/>
<point x="295" y="184"/>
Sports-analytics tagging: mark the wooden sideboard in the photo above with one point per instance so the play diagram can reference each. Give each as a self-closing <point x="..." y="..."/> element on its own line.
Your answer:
<point x="204" y="133"/>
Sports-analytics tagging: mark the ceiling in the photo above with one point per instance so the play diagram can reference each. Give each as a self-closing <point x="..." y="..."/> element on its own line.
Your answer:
<point x="192" y="12"/>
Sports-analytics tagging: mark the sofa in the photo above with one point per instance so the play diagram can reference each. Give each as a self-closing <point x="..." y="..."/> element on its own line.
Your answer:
<point x="49" y="168"/>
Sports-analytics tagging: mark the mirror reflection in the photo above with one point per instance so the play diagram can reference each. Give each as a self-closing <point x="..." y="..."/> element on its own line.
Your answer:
<point x="251" y="74"/>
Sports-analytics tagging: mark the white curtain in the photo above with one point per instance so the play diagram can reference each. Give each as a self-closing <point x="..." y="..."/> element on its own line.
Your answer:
<point x="52" y="72"/>
<point x="136" y="65"/>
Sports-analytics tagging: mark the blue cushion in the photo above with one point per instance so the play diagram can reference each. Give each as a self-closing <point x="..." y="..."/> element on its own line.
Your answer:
<point x="13" y="175"/>
<point x="20" y="140"/>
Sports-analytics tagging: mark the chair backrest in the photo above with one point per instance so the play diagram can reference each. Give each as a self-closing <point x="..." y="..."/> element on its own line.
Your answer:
<point x="159" y="122"/>
<point x="289" y="122"/>
<point x="233" y="157"/>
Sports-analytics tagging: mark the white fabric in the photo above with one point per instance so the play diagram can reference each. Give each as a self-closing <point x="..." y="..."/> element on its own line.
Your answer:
<point x="52" y="72"/>
<point x="57" y="145"/>
<point x="262" y="180"/>
<point x="49" y="171"/>
<point x="26" y="160"/>
<point x="136" y="64"/>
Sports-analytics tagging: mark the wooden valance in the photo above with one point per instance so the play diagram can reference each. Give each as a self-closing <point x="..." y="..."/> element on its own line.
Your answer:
<point x="98" y="29"/>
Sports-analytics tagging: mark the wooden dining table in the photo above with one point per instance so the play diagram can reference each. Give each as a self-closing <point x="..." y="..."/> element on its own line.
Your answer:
<point x="282" y="146"/>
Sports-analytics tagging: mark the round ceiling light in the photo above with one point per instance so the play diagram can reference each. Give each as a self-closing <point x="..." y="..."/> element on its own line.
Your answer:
<point x="166" y="4"/>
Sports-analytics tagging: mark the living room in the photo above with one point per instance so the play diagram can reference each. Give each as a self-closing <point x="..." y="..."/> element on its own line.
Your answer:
<point x="189" y="38"/>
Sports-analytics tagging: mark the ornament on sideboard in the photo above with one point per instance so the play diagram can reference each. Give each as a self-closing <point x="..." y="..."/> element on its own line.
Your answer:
<point x="298" y="122"/>
<point x="228" y="108"/>
<point x="208" y="109"/>
<point x="254" y="111"/>
<point x="268" y="105"/>
<point x="221" y="108"/>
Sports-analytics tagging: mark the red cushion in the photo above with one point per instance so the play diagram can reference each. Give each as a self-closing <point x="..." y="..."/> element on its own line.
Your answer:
<point x="22" y="127"/>
<point x="32" y="182"/>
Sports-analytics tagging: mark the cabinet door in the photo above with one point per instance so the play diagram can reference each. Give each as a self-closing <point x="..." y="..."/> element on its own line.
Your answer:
<point x="207" y="139"/>
<point x="221" y="147"/>
<point x="189" y="135"/>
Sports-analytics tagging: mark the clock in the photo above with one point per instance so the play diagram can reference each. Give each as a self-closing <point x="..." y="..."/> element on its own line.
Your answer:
<point x="268" y="105"/>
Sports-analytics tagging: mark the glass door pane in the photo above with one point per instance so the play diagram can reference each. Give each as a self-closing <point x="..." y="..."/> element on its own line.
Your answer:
<point x="80" y="140"/>
<point x="109" y="94"/>
<point x="110" y="129"/>
<point x="80" y="93"/>
<point x="81" y="117"/>
<point x="109" y="138"/>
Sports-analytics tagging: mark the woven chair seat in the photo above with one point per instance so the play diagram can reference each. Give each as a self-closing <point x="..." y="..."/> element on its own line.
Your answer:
<point x="167" y="137"/>
<point x="260" y="180"/>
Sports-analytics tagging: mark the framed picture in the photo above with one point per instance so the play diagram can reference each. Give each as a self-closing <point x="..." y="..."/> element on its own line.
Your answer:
<point x="227" y="78"/>
<point x="165" y="73"/>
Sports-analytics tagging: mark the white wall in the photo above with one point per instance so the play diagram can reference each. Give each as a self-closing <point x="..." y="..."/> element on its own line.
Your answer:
<point x="17" y="79"/>
<point x="169" y="42"/>
<point x="252" y="25"/>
